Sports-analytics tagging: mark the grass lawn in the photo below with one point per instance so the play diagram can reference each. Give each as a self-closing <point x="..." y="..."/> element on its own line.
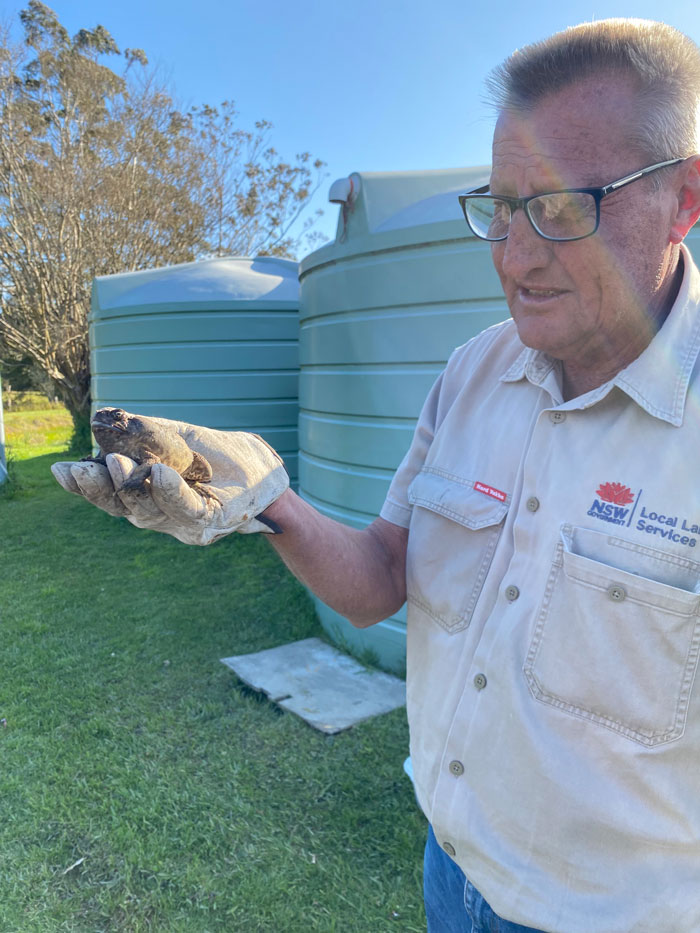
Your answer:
<point x="142" y="786"/>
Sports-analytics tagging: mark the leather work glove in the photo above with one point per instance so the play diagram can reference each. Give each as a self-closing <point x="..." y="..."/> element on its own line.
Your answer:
<point x="247" y="476"/>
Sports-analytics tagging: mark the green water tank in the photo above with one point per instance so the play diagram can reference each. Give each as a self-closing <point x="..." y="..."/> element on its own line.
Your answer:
<point x="381" y="309"/>
<point x="692" y="241"/>
<point x="212" y="342"/>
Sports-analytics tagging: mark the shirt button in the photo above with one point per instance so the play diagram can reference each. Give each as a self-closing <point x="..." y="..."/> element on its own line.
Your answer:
<point x="616" y="593"/>
<point x="457" y="768"/>
<point x="512" y="593"/>
<point x="480" y="681"/>
<point x="449" y="848"/>
<point x="532" y="504"/>
<point x="556" y="417"/>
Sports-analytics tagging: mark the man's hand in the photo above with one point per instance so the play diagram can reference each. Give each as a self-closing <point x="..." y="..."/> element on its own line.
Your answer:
<point x="248" y="475"/>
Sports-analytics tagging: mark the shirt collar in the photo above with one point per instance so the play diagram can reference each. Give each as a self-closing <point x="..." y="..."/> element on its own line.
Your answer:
<point x="658" y="379"/>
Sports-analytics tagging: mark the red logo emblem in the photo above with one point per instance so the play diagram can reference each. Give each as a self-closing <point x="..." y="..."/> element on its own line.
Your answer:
<point x="491" y="491"/>
<point x="616" y="493"/>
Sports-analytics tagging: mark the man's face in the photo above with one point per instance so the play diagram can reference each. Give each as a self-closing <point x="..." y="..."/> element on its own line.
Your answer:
<point x="586" y="302"/>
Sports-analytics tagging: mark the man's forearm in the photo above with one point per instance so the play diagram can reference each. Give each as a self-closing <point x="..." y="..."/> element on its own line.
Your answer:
<point x="360" y="574"/>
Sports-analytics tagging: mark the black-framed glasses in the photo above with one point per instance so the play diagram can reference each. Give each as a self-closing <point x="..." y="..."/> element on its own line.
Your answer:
<point x="570" y="214"/>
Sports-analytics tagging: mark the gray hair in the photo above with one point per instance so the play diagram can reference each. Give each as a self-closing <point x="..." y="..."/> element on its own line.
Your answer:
<point x="662" y="62"/>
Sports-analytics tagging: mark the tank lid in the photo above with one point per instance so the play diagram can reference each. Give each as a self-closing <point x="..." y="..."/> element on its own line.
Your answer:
<point x="210" y="281"/>
<point x="384" y="195"/>
<point x="430" y="210"/>
<point x="382" y="210"/>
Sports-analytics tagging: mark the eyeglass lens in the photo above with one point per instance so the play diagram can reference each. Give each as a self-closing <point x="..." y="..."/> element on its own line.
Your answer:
<point x="563" y="215"/>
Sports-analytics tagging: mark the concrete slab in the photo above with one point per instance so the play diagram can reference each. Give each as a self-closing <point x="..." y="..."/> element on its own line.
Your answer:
<point x="328" y="689"/>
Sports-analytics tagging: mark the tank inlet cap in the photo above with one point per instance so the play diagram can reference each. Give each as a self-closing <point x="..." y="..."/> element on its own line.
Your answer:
<point x="344" y="190"/>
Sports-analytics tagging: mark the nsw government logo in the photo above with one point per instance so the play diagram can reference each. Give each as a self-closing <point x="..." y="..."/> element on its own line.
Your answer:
<point x="615" y="503"/>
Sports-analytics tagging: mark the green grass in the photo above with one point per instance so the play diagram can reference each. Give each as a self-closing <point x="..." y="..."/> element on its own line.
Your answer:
<point x="184" y="800"/>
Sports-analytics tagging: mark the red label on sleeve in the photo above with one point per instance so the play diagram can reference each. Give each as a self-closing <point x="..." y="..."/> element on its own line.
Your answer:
<point x="490" y="491"/>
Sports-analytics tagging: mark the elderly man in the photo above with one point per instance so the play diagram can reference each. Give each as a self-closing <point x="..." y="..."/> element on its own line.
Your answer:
<point x="545" y="523"/>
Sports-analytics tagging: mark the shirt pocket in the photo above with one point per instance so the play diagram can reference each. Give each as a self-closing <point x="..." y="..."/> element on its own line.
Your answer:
<point x="453" y="535"/>
<point x="617" y="636"/>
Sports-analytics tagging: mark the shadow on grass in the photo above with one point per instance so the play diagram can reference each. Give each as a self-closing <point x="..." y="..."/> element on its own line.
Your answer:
<point x="88" y="557"/>
<point x="194" y="803"/>
<point x="29" y="475"/>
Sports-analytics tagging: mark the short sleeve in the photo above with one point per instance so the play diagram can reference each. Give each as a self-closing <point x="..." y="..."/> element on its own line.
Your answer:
<point x="396" y="508"/>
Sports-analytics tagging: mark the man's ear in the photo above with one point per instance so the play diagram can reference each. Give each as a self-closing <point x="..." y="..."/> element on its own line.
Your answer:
<point x="688" y="209"/>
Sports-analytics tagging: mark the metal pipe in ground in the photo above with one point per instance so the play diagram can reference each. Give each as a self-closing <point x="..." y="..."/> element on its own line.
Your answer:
<point x="3" y="461"/>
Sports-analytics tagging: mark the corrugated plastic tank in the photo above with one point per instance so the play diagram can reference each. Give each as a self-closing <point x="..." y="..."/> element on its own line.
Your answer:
<point x="692" y="241"/>
<point x="381" y="309"/>
<point x="212" y="342"/>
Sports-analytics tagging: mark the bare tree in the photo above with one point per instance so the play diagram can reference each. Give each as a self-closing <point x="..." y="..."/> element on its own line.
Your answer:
<point x="100" y="173"/>
<point x="253" y="196"/>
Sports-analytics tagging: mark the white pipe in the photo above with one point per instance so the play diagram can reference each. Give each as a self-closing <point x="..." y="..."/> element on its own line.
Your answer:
<point x="3" y="461"/>
<point x="345" y="190"/>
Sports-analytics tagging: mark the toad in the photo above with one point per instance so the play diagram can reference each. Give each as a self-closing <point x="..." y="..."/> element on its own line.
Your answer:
<point x="147" y="441"/>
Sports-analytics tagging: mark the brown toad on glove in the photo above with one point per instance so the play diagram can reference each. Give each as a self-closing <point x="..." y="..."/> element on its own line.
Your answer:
<point x="148" y="441"/>
<point x="195" y="483"/>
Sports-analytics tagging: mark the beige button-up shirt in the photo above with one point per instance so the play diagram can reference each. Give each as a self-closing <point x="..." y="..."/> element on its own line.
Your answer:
<point x="554" y="629"/>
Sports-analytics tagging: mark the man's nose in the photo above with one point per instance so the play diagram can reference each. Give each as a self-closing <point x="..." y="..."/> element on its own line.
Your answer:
<point x="524" y="250"/>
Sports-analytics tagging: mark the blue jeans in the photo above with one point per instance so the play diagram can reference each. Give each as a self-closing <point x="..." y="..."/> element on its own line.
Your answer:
<point x="452" y="904"/>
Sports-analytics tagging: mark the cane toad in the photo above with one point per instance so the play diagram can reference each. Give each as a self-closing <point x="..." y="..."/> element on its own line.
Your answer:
<point x="147" y="442"/>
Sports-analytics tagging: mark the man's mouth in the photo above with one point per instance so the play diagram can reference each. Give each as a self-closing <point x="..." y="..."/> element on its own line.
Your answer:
<point x="97" y="422"/>
<point x="539" y="294"/>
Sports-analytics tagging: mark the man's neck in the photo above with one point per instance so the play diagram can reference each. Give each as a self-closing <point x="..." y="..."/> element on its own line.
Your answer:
<point x="579" y="378"/>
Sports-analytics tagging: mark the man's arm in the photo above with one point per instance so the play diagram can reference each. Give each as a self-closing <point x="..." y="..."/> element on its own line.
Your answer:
<point x="360" y="574"/>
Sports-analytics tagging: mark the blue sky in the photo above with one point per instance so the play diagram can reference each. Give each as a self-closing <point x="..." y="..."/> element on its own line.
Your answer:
<point x="370" y="85"/>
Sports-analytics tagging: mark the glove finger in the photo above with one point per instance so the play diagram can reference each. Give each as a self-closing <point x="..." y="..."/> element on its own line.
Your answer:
<point x="174" y="497"/>
<point x="64" y="477"/>
<point x="93" y="481"/>
<point x="138" y="505"/>
<point x="120" y="468"/>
